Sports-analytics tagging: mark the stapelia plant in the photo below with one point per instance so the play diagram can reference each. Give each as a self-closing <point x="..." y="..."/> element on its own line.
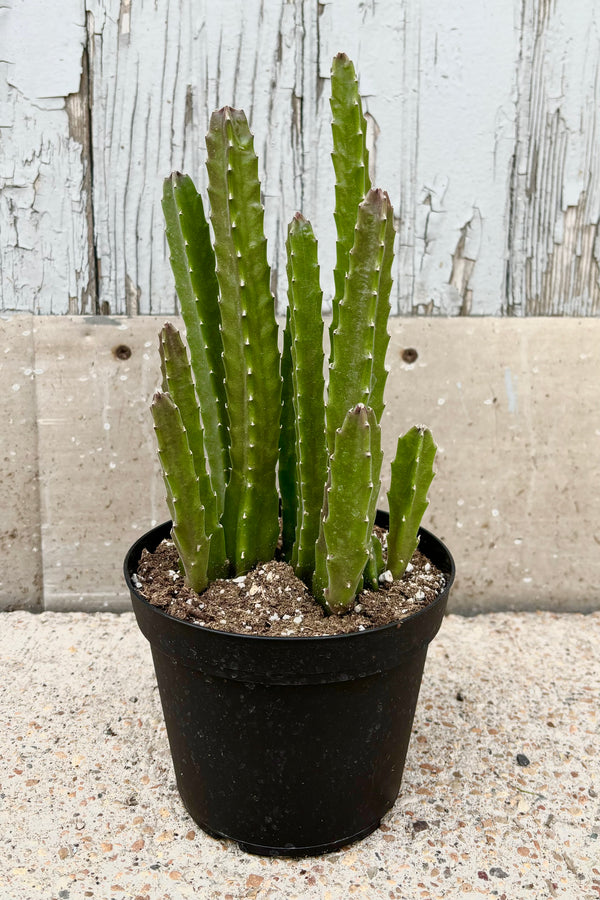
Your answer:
<point x="241" y="427"/>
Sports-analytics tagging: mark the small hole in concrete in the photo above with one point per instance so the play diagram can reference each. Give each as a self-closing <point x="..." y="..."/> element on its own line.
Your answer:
<point x="122" y="351"/>
<point x="409" y="355"/>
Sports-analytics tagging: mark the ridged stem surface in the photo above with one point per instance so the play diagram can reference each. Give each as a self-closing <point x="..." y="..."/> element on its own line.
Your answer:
<point x="351" y="166"/>
<point x="249" y="334"/>
<point x="183" y="495"/>
<point x="412" y="473"/>
<point x="180" y="386"/>
<point x="345" y="534"/>
<point x="306" y="326"/>
<point x="191" y="252"/>
<point x="381" y="337"/>
<point x="287" y="447"/>
<point x="351" y="372"/>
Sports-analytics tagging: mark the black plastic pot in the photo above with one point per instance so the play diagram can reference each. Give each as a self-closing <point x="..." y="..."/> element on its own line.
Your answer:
<point x="290" y="746"/>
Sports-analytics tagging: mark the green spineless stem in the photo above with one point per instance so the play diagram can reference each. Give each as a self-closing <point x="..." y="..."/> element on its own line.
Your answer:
<point x="180" y="385"/>
<point x="351" y="372"/>
<point x="306" y="329"/>
<point x="287" y="447"/>
<point x="412" y="473"/>
<point x="351" y="166"/>
<point x="344" y="537"/>
<point x="249" y="333"/>
<point x="183" y="496"/>
<point x="176" y="191"/>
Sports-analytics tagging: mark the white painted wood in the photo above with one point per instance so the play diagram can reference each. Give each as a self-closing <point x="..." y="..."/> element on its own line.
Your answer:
<point x="482" y="119"/>
<point x="554" y="190"/>
<point x="436" y="80"/>
<point x="171" y="64"/>
<point x="45" y="235"/>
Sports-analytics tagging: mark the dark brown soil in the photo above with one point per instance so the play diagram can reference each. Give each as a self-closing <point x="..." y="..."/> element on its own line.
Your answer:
<point x="271" y="600"/>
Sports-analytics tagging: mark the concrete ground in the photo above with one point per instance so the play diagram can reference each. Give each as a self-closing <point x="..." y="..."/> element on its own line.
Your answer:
<point x="89" y="806"/>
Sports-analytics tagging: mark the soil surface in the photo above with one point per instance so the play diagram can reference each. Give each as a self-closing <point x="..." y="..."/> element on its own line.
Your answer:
<point x="271" y="600"/>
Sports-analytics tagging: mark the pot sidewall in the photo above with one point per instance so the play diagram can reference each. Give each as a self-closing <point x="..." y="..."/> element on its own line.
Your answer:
<point x="288" y="746"/>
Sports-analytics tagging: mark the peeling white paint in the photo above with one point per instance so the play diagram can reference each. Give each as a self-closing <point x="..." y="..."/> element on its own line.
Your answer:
<point x="29" y="29"/>
<point x="554" y="199"/>
<point x="44" y="247"/>
<point x="482" y="124"/>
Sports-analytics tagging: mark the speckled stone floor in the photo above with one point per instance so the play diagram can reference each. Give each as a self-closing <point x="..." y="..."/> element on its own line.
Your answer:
<point x="500" y="795"/>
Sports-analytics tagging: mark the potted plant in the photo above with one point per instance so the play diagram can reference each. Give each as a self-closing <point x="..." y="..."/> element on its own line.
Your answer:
<point x="295" y="743"/>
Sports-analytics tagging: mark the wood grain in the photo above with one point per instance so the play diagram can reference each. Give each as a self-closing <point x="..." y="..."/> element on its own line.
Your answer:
<point x="482" y="119"/>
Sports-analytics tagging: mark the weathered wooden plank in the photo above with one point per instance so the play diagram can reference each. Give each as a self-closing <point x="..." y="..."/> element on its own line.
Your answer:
<point x="437" y="83"/>
<point x="482" y="119"/>
<point x="160" y="68"/>
<point x="46" y="250"/>
<point x="554" y="192"/>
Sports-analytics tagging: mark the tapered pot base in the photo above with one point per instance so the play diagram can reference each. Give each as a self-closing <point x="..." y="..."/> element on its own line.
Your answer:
<point x="289" y="746"/>
<point x="291" y="851"/>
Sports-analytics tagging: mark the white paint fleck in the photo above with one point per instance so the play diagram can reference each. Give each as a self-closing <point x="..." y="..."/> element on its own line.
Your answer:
<point x="495" y="513"/>
<point x="106" y="426"/>
<point x="16" y="387"/>
<point x="441" y="401"/>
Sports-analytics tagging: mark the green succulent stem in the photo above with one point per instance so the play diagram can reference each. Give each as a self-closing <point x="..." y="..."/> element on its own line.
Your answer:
<point x="193" y="265"/>
<point x="287" y="447"/>
<point x="361" y="333"/>
<point x="344" y="539"/>
<point x="351" y="165"/>
<point x="306" y="333"/>
<point x="183" y="495"/>
<point x="412" y="474"/>
<point x="249" y="334"/>
<point x="375" y="565"/>
<point x="180" y="385"/>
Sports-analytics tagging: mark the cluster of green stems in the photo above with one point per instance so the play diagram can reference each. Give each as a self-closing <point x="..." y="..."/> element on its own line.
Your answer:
<point x="248" y="433"/>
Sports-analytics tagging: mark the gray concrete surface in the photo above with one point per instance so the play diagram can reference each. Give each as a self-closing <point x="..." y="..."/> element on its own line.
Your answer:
<point x="512" y="403"/>
<point x="89" y="807"/>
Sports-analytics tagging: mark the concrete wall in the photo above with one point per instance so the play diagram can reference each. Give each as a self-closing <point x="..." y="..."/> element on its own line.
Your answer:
<point x="513" y="405"/>
<point x="483" y="127"/>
